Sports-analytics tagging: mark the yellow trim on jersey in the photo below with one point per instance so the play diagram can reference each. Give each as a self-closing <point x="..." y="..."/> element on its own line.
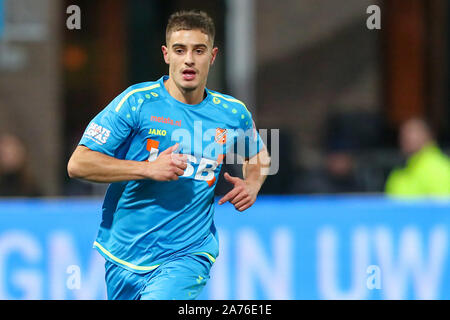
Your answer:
<point x="130" y="265"/>
<point x="208" y="255"/>
<point x="133" y="92"/>
<point x="228" y="99"/>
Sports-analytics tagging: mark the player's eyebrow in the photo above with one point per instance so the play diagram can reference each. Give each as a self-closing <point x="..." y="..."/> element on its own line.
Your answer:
<point x="184" y="46"/>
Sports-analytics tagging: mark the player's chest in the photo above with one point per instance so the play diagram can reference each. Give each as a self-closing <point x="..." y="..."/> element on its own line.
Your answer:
<point x="205" y="132"/>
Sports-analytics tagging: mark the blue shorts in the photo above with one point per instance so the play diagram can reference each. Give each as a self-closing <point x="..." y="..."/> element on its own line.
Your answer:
<point x="181" y="278"/>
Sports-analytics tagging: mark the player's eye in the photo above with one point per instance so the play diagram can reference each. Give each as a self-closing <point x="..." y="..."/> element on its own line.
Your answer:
<point x="199" y="51"/>
<point x="179" y="51"/>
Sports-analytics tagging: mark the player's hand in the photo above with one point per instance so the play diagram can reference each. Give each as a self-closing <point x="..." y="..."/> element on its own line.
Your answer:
<point x="168" y="165"/>
<point x="242" y="196"/>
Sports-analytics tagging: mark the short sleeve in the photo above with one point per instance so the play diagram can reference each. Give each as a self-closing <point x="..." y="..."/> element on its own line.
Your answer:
<point x="111" y="127"/>
<point x="249" y="136"/>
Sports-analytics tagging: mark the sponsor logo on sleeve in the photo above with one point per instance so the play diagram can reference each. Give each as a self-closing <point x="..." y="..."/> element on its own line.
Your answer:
<point x="97" y="133"/>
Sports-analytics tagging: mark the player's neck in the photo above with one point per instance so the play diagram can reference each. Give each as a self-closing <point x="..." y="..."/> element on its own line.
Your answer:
<point x="189" y="97"/>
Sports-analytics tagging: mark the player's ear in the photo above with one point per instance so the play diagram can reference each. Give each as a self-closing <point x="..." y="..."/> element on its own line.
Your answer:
<point x="165" y="52"/>
<point x="214" y="52"/>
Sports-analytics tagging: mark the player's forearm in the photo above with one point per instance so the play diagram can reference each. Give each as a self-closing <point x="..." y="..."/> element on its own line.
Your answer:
<point x="253" y="170"/>
<point x="94" y="166"/>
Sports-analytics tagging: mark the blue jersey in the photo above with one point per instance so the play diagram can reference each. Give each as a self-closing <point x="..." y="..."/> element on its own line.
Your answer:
<point x="147" y="222"/>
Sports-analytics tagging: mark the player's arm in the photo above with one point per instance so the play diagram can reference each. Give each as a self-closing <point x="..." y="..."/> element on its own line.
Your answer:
<point x="253" y="169"/>
<point x="94" y="166"/>
<point x="245" y="191"/>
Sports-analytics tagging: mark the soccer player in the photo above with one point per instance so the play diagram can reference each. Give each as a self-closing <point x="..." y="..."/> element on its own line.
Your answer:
<point x="160" y="145"/>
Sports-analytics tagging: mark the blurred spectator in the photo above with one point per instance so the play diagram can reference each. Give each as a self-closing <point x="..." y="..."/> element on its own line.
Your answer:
<point x="15" y="177"/>
<point x="340" y="170"/>
<point x="337" y="175"/>
<point x="346" y="135"/>
<point x="427" y="170"/>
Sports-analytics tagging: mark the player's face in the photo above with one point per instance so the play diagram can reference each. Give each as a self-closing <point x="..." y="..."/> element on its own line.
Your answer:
<point x="189" y="54"/>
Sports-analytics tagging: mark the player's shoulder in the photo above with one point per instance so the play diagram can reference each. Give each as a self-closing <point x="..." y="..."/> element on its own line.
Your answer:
<point x="144" y="86"/>
<point x="228" y="102"/>
<point x="143" y="90"/>
<point x="137" y="94"/>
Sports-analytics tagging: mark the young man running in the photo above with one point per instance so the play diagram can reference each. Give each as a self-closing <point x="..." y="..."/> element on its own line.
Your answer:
<point x="157" y="232"/>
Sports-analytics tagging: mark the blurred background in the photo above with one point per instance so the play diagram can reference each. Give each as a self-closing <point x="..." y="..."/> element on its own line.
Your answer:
<point x="337" y="91"/>
<point x="361" y="112"/>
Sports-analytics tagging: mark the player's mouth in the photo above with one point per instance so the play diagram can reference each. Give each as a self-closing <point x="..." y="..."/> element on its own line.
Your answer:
<point x="189" y="74"/>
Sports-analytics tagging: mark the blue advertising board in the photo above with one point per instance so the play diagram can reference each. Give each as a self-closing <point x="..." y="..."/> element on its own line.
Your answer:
<point x="290" y="247"/>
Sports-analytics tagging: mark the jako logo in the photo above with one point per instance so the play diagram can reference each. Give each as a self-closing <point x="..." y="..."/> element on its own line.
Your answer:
<point x="166" y="120"/>
<point x="157" y="132"/>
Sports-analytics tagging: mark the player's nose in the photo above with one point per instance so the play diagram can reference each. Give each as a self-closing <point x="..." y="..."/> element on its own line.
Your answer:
<point x="189" y="60"/>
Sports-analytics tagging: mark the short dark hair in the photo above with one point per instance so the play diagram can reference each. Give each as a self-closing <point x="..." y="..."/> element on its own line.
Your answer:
<point x="191" y="20"/>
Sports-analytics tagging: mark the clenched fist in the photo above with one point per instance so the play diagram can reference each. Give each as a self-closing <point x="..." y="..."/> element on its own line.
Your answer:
<point x="168" y="165"/>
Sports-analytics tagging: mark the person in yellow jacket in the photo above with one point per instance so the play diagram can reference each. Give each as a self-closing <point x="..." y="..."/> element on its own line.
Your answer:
<point x="427" y="171"/>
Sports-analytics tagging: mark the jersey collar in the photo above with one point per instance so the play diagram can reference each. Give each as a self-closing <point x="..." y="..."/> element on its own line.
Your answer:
<point x="172" y="99"/>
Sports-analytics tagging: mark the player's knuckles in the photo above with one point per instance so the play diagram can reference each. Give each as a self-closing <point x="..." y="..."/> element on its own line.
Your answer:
<point x="227" y="197"/>
<point x="181" y="165"/>
<point x="233" y="196"/>
<point x="169" y="173"/>
<point x="173" y="166"/>
<point x="241" y="203"/>
<point x="236" y="191"/>
<point x="181" y="157"/>
<point x="237" y="200"/>
<point x="241" y="195"/>
<point x="244" y="207"/>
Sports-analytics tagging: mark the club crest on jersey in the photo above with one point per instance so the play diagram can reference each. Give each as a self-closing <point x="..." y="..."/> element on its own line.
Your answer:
<point x="221" y="136"/>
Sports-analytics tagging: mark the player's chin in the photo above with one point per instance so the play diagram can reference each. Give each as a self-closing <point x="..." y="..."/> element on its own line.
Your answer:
<point x="189" y="86"/>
